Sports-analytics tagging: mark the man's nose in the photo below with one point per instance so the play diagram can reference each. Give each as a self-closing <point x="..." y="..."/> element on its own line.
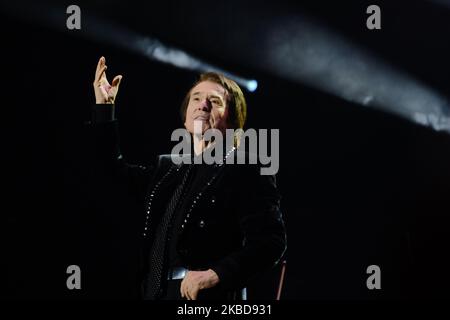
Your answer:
<point x="204" y="105"/>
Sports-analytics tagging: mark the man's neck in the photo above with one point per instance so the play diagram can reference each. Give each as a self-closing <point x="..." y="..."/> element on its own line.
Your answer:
<point x="200" y="145"/>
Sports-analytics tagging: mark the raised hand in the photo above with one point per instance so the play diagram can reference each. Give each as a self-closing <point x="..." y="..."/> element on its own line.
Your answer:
<point x="105" y="92"/>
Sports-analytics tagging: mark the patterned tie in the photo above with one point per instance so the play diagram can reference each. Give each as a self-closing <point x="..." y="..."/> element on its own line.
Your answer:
<point x="158" y="251"/>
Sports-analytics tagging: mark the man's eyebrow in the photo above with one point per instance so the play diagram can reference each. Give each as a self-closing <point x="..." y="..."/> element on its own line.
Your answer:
<point x="212" y="95"/>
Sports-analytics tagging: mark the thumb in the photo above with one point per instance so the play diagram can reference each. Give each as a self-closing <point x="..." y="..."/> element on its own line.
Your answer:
<point x="116" y="81"/>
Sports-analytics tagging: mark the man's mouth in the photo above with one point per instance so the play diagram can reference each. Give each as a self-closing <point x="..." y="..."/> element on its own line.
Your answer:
<point x="201" y="118"/>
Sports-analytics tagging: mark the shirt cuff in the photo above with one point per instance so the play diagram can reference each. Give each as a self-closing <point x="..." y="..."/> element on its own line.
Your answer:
<point x="103" y="113"/>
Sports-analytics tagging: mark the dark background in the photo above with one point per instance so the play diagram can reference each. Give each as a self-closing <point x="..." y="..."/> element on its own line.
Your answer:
<point x="359" y="186"/>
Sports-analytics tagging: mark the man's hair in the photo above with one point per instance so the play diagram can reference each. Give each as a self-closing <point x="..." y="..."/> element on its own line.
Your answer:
<point x="237" y="107"/>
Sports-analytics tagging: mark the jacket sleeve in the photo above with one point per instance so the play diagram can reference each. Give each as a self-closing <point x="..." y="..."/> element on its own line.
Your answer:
<point x="106" y="158"/>
<point x="264" y="233"/>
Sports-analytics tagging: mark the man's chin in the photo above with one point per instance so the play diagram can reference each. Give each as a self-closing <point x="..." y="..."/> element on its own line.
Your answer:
<point x="204" y="128"/>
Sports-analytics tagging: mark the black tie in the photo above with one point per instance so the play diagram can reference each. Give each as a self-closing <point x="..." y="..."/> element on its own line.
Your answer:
<point x="158" y="250"/>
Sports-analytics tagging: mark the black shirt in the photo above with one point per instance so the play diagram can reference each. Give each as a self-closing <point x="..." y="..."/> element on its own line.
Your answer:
<point x="197" y="173"/>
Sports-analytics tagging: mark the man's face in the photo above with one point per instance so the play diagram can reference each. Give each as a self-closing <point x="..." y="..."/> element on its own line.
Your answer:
<point x="208" y="104"/>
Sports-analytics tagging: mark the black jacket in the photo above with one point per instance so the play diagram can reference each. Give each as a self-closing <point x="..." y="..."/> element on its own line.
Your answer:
<point x="233" y="224"/>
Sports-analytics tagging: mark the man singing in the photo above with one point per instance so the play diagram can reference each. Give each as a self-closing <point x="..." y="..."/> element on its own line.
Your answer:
<point x="208" y="228"/>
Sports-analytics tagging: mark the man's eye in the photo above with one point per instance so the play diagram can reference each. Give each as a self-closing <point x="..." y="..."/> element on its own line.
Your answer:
<point x="196" y="99"/>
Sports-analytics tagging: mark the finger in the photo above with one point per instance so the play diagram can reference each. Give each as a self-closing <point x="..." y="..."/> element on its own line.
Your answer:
<point x="182" y="289"/>
<point x="101" y="74"/>
<point x="194" y="294"/>
<point x="185" y="283"/>
<point x="187" y="293"/>
<point x="116" y="81"/>
<point x="100" y="64"/>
